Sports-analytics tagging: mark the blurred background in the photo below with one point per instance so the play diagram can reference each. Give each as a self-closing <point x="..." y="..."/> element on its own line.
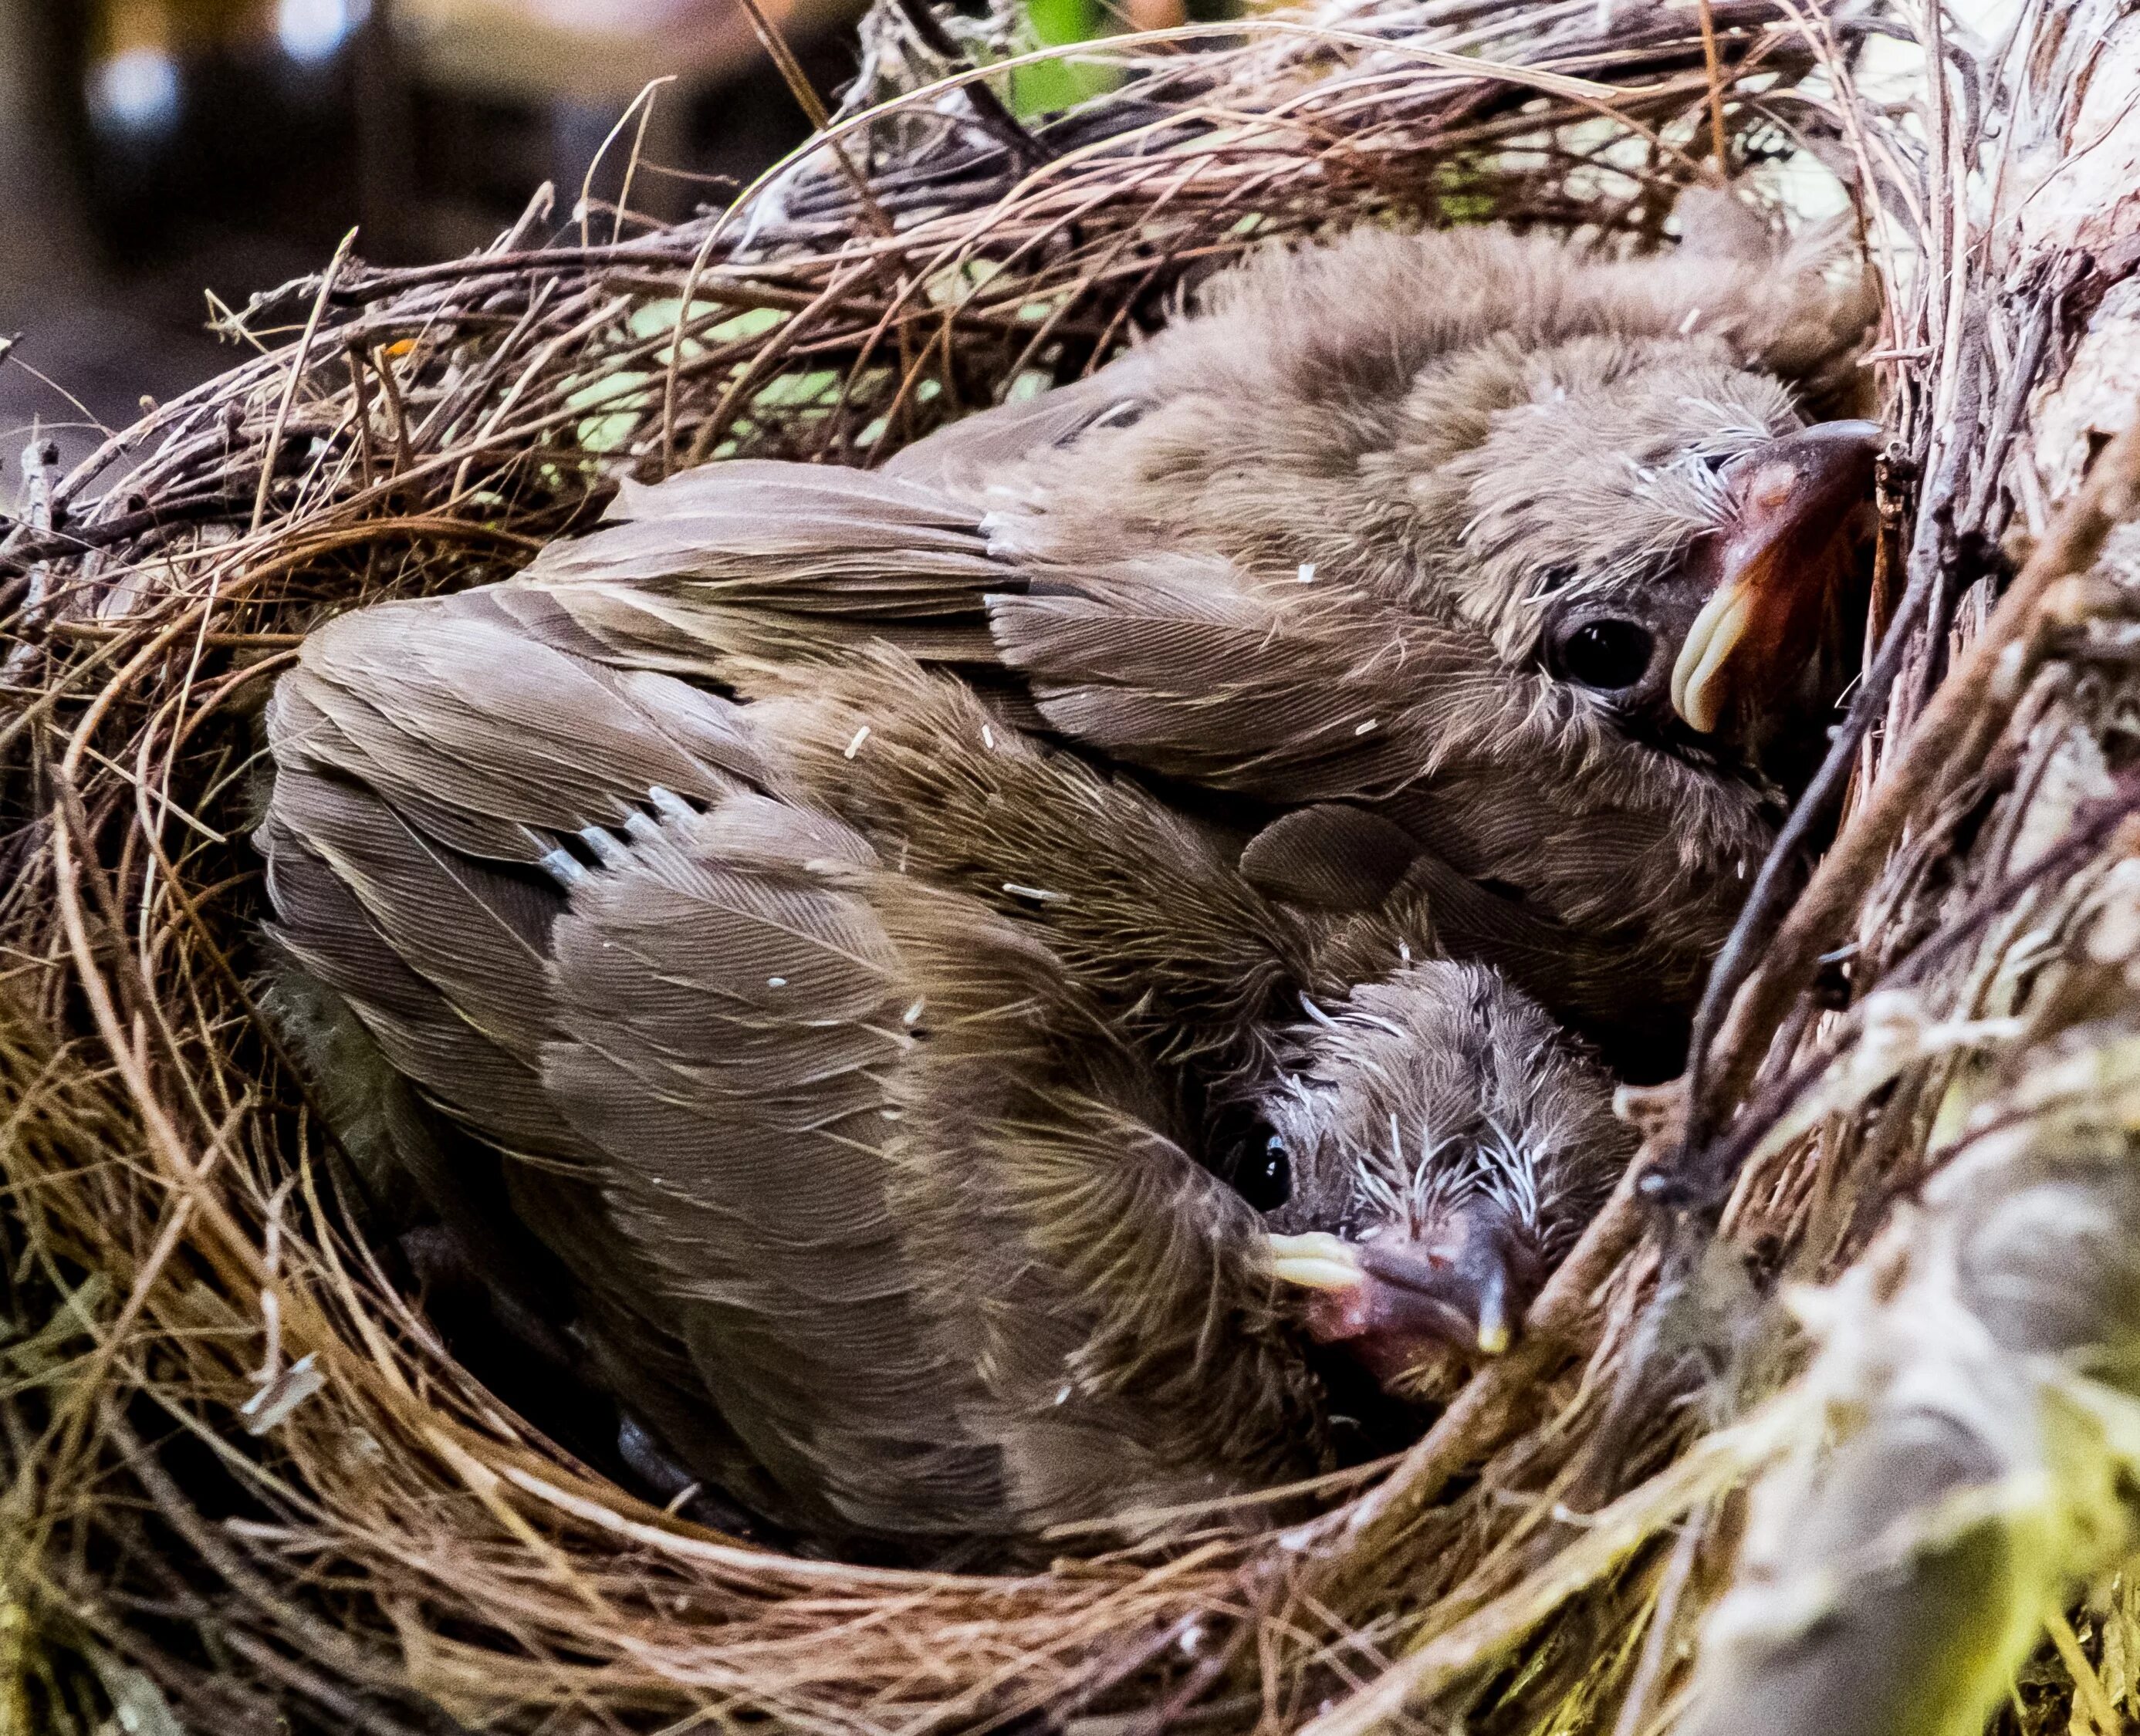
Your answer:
<point x="155" y="155"/>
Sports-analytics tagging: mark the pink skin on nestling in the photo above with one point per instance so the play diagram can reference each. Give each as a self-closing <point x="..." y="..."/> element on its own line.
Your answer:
<point x="1453" y="1295"/>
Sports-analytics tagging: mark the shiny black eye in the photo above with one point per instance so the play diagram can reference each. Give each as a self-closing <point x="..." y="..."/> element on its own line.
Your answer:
<point x="1606" y="655"/>
<point x="1265" y="1180"/>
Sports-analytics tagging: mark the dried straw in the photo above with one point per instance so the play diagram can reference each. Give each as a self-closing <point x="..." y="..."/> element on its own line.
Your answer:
<point x="245" y="1480"/>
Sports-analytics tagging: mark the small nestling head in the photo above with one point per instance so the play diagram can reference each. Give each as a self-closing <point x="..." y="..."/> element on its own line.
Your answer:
<point x="1446" y="1144"/>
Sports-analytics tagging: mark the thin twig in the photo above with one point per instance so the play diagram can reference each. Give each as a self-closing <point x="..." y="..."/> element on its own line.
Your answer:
<point x="1719" y="139"/>
<point x="995" y="119"/>
<point x="1970" y="706"/>
<point x="1607" y="1539"/>
<point x="812" y="106"/>
<point x="300" y="360"/>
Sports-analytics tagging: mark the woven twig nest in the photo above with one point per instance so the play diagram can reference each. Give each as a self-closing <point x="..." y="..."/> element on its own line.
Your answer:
<point x="248" y="1485"/>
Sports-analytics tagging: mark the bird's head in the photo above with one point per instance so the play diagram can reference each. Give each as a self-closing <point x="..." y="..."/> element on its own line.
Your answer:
<point x="1618" y="471"/>
<point x="1658" y="527"/>
<point x="1444" y="1143"/>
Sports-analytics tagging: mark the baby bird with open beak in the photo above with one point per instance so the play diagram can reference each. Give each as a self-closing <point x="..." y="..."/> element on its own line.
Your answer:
<point x="1661" y="533"/>
<point x="1542" y="563"/>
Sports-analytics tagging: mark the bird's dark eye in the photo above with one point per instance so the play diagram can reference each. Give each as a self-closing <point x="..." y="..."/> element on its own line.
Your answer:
<point x="1266" y="1176"/>
<point x="1606" y="655"/>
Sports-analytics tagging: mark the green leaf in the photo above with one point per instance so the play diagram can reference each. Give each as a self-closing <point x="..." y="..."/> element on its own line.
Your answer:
<point x="1051" y="86"/>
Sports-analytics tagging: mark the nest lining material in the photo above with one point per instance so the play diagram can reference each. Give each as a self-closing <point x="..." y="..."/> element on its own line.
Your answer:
<point x="247" y="1482"/>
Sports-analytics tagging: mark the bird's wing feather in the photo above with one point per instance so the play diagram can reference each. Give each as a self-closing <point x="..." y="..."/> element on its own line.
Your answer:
<point x="729" y="1023"/>
<point x="441" y="956"/>
<point x="1329" y="855"/>
<point x="1111" y="1290"/>
<point x="489" y="740"/>
<point x="399" y="870"/>
<point x="980" y="454"/>
<point x="761" y="560"/>
<point x="1188" y="665"/>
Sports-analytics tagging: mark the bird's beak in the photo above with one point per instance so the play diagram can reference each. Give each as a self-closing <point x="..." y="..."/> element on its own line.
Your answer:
<point x="1781" y="557"/>
<point x="1316" y="1261"/>
<point x="1398" y="1302"/>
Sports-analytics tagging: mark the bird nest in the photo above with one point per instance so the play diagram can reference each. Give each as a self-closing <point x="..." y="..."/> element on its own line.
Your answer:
<point x="249" y="1486"/>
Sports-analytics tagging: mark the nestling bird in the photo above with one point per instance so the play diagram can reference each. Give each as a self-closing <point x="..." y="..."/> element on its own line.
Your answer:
<point x="1533" y="557"/>
<point x="866" y="1186"/>
<point x="865" y="947"/>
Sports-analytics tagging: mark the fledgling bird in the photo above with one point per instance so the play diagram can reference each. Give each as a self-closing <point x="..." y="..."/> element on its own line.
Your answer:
<point x="1538" y="559"/>
<point x="861" y="1183"/>
<point x="855" y="943"/>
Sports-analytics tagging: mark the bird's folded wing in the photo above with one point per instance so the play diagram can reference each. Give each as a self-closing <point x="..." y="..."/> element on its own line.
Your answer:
<point x="1113" y="1292"/>
<point x="490" y="739"/>
<point x="1189" y="665"/>
<point x="934" y="1258"/>
<point x="728" y="1016"/>
<point x="427" y="757"/>
<point x="676" y="1067"/>
<point x="1181" y="662"/>
<point x="766" y="561"/>
<point x="979" y="458"/>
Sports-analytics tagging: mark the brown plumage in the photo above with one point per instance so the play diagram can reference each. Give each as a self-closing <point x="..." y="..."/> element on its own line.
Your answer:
<point x="882" y="1158"/>
<point x="879" y="1042"/>
<point x="1385" y="526"/>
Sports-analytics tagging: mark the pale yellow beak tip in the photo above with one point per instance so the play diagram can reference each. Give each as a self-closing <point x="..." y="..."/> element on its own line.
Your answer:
<point x="1315" y="1261"/>
<point x="1698" y="683"/>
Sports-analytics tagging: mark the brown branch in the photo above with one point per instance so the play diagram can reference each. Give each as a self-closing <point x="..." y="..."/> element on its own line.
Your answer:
<point x="813" y="108"/>
<point x="1718" y="139"/>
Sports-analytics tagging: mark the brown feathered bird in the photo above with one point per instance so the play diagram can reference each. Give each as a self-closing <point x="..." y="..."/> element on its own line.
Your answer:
<point x="1131" y="804"/>
<point x="863" y="1125"/>
<point x="1534" y="557"/>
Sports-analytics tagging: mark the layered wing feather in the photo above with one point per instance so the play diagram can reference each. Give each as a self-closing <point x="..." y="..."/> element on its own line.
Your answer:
<point x="428" y="756"/>
<point x="765" y="560"/>
<point x="729" y="1024"/>
<point x="979" y="458"/>
<point x="1112" y="1293"/>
